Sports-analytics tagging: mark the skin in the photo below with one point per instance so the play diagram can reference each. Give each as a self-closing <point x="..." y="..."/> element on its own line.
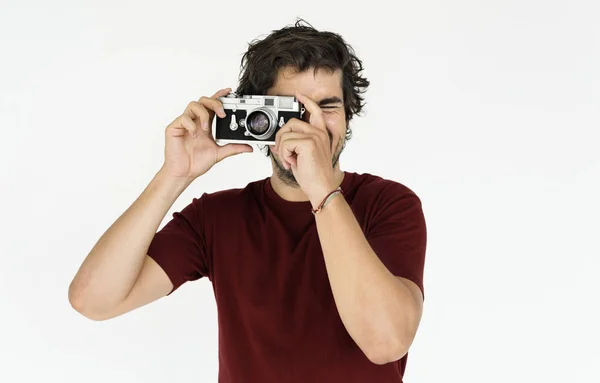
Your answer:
<point x="288" y="83"/>
<point x="118" y="276"/>
<point x="309" y="86"/>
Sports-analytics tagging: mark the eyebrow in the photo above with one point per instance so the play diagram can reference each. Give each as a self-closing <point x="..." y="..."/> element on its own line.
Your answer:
<point x="330" y="100"/>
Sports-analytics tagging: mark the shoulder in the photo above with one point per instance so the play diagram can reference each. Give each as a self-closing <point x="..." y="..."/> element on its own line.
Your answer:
<point x="224" y="205"/>
<point x="379" y="190"/>
<point x="387" y="206"/>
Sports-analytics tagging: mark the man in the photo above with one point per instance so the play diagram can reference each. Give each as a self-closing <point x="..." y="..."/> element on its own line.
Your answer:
<point x="317" y="272"/>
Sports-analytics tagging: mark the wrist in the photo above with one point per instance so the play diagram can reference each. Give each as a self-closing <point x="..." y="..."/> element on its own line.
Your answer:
<point x="169" y="184"/>
<point x="317" y="196"/>
<point x="326" y="199"/>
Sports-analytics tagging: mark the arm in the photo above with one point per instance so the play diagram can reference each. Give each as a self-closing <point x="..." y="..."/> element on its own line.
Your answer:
<point x="117" y="276"/>
<point x="380" y="310"/>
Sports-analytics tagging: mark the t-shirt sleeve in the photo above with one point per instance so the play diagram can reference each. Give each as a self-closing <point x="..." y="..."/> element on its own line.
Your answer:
<point x="179" y="247"/>
<point x="398" y="235"/>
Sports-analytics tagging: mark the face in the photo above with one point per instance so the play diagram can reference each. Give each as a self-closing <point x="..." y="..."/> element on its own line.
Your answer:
<point x="325" y="89"/>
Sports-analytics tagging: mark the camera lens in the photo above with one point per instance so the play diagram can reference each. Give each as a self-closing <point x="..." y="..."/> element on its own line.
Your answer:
<point x="258" y="123"/>
<point x="261" y="123"/>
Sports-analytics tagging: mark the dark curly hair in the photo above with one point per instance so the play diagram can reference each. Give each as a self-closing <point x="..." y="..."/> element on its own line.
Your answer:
<point x="301" y="47"/>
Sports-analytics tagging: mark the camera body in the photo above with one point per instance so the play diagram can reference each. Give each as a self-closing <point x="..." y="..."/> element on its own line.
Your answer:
<point x="254" y="119"/>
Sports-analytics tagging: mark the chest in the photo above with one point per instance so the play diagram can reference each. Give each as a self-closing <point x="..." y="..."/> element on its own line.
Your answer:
<point x="272" y="276"/>
<point x="272" y="262"/>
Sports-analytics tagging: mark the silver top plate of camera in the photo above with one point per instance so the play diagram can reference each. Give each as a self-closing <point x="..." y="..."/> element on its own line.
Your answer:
<point x="249" y="102"/>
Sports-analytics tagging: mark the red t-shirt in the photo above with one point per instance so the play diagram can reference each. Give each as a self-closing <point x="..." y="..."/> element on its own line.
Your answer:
<point x="277" y="318"/>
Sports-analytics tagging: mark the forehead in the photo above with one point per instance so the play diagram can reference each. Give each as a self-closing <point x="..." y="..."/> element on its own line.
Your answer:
<point x="315" y="84"/>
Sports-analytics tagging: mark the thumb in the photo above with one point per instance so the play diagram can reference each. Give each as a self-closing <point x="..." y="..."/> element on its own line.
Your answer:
<point x="229" y="150"/>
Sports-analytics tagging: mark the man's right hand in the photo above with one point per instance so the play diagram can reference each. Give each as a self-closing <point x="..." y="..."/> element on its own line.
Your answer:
<point x="190" y="149"/>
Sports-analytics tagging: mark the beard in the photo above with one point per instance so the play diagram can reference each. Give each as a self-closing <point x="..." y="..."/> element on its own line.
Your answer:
<point x="287" y="176"/>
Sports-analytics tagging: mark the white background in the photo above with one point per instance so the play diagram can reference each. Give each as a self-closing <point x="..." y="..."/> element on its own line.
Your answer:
<point x="488" y="110"/>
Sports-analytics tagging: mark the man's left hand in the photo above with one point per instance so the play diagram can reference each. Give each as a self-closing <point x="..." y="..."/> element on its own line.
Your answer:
<point x="305" y="148"/>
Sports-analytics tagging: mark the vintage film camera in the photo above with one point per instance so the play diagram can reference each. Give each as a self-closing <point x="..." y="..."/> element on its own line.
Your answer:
<point x="253" y="119"/>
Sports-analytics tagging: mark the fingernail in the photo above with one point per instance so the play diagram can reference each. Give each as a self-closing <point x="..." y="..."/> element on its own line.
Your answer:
<point x="205" y="125"/>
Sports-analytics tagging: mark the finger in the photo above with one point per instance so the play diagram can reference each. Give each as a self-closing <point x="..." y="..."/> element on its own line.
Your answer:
<point x="181" y="125"/>
<point x="290" y="147"/>
<point x="198" y="113"/>
<point x="286" y="136"/>
<point x="213" y="105"/>
<point x="296" y="125"/>
<point x="288" y="155"/>
<point x="221" y="93"/>
<point x="316" y="114"/>
<point x="229" y="150"/>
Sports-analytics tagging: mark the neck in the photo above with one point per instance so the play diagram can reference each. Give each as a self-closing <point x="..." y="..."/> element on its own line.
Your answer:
<point x="295" y="193"/>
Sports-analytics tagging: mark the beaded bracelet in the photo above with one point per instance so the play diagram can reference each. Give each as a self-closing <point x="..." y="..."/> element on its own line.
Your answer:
<point x="327" y="199"/>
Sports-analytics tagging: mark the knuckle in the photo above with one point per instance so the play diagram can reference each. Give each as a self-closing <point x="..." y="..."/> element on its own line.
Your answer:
<point x="178" y="119"/>
<point x="282" y="131"/>
<point x="206" y="100"/>
<point x="210" y="103"/>
<point x="199" y="110"/>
